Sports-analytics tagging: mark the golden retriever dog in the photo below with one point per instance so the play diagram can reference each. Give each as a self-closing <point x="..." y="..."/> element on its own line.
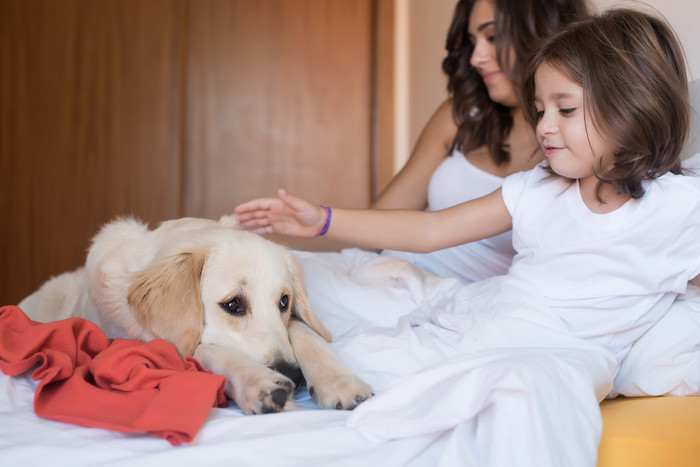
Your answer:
<point x="232" y="299"/>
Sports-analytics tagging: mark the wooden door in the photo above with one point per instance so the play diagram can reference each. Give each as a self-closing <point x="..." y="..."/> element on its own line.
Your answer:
<point x="90" y="118"/>
<point x="164" y="108"/>
<point x="278" y="95"/>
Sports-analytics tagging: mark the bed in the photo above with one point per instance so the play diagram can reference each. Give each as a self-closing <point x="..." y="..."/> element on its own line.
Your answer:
<point x="449" y="382"/>
<point x="451" y="368"/>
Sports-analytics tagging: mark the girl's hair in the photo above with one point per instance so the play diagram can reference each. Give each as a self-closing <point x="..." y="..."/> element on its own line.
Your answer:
<point x="519" y="25"/>
<point x="632" y="70"/>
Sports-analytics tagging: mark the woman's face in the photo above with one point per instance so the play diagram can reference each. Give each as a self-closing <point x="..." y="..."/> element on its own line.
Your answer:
<point x="482" y="32"/>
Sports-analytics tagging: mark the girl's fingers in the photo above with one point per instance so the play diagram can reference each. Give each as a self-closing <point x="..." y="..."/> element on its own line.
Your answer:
<point x="262" y="231"/>
<point x="254" y="205"/>
<point x="246" y="216"/>
<point x="284" y="215"/>
<point x="254" y="213"/>
<point x="253" y="221"/>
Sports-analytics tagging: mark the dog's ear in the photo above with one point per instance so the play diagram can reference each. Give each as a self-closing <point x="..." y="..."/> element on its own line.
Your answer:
<point x="166" y="300"/>
<point x="301" y="307"/>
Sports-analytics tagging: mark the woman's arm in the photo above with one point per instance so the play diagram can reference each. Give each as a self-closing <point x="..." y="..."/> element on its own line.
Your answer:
<point x="417" y="231"/>
<point x="409" y="188"/>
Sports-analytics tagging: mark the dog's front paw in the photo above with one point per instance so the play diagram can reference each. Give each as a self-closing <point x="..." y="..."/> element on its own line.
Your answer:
<point x="267" y="392"/>
<point x="342" y="391"/>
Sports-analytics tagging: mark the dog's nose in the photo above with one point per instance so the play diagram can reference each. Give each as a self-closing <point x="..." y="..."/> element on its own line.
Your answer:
<point x="290" y="371"/>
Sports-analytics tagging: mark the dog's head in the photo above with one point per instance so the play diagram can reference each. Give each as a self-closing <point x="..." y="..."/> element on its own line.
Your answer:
<point x="221" y="285"/>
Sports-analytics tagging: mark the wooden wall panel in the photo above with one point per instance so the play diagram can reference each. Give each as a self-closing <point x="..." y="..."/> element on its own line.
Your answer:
<point x="165" y="108"/>
<point x="278" y="95"/>
<point x="90" y="100"/>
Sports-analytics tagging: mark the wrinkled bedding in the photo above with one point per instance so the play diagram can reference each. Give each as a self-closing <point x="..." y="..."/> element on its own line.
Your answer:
<point x="482" y="374"/>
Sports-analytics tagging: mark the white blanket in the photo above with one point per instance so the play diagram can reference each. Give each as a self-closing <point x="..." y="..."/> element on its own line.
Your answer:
<point x="487" y="367"/>
<point x="481" y="374"/>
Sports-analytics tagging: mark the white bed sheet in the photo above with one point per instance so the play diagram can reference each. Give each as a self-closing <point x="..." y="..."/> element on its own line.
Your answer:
<point x="464" y="375"/>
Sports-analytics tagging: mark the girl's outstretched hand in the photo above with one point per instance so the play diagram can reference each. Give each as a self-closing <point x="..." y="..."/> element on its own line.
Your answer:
<point x="285" y="215"/>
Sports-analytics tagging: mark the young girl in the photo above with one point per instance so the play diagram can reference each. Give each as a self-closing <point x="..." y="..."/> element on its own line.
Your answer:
<point x="479" y="135"/>
<point x="607" y="229"/>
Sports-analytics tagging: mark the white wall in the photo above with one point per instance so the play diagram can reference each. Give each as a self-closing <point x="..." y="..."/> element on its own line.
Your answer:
<point x="420" y="84"/>
<point x="420" y="39"/>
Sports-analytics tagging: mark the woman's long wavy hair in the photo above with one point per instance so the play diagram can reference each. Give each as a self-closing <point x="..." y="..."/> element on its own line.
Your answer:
<point x="519" y="25"/>
<point x="631" y="67"/>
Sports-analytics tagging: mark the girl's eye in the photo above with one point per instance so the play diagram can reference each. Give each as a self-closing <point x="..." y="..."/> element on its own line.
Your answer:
<point x="567" y="112"/>
<point x="539" y="114"/>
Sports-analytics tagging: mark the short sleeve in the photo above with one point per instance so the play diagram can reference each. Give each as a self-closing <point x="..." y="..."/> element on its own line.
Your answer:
<point x="512" y="188"/>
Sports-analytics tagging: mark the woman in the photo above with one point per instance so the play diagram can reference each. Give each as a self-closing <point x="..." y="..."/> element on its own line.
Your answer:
<point x="479" y="135"/>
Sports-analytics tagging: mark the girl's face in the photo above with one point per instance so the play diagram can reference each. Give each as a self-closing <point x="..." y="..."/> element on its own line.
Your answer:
<point x="570" y="140"/>
<point x="482" y="34"/>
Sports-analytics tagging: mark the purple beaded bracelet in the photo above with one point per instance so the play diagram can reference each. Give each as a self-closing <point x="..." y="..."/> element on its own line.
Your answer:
<point x="326" y="222"/>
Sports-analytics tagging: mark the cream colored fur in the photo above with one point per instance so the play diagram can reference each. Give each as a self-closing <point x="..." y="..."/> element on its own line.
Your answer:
<point x="233" y="300"/>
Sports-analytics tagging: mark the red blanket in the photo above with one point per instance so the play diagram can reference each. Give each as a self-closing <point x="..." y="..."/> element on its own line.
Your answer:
<point x="116" y="384"/>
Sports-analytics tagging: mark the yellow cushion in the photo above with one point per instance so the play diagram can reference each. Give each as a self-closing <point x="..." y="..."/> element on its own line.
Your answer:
<point x="650" y="431"/>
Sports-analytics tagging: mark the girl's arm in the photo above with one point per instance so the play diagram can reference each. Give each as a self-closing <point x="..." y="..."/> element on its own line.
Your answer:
<point x="409" y="188"/>
<point x="417" y="231"/>
<point x="695" y="280"/>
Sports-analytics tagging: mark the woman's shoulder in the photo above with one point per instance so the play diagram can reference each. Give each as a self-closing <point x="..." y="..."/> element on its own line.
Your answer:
<point x="443" y="114"/>
<point x="441" y="127"/>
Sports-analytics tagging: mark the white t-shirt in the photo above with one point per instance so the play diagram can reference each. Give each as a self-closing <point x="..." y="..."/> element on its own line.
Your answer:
<point x="609" y="276"/>
<point x="455" y="181"/>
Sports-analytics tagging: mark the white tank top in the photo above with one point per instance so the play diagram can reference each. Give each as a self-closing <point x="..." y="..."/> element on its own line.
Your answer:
<point x="455" y="181"/>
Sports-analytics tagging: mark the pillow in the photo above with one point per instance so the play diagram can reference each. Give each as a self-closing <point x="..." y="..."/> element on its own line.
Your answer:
<point x="693" y="164"/>
<point x="666" y="359"/>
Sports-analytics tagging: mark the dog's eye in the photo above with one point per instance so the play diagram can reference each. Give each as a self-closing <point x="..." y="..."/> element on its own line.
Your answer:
<point x="236" y="306"/>
<point x="284" y="303"/>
